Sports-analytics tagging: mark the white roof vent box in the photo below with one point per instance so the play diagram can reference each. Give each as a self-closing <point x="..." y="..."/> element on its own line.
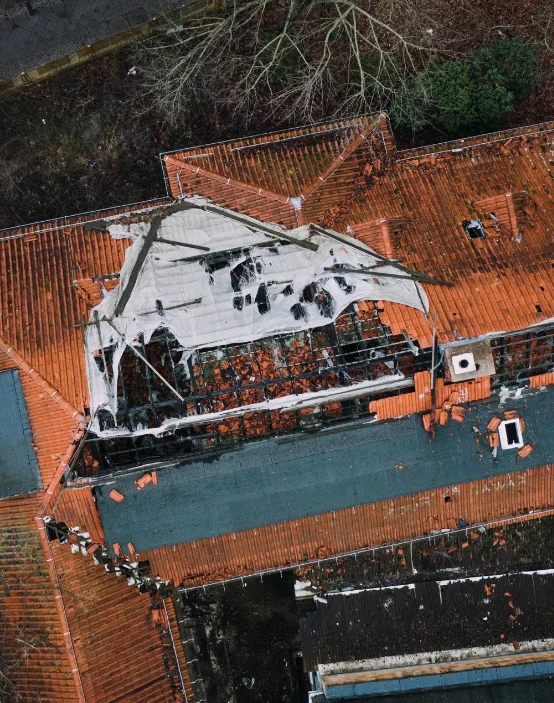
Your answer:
<point x="463" y="363"/>
<point x="471" y="360"/>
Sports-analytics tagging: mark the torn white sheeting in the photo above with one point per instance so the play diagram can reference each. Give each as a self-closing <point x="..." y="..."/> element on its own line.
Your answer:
<point x="246" y="293"/>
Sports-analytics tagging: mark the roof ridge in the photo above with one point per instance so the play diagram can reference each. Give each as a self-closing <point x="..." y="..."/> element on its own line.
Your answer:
<point x="227" y="180"/>
<point x="362" y="136"/>
<point x="63" y="221"/>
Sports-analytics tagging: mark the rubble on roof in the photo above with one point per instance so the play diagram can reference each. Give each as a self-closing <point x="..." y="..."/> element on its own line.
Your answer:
<point x="213" y="279"/>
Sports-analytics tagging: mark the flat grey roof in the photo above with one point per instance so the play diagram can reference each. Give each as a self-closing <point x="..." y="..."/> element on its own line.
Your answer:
<point x="19" y="471"/>
<point x="284" y="479"/>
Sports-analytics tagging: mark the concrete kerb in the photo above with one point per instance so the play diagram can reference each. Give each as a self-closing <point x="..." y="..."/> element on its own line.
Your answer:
<point x="105" y="46"/>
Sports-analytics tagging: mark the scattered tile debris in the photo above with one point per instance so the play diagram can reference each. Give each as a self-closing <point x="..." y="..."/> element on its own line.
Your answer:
<point x="143" y="481"/>
<point x="525" y="451"/>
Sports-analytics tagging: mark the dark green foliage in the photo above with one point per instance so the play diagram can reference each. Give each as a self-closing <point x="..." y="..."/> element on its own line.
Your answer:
<point x="462" y="96"/>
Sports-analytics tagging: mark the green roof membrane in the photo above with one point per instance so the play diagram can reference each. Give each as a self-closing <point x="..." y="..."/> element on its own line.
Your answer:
<point x="19" y="471"/>
<point x="285" y="479"/>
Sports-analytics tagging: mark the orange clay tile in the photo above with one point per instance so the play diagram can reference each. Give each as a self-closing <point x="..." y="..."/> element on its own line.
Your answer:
<point x="38" y="319"/>
<point x="117" y="496"/>
<point x="154" y="478"/>
<point x="143" y="481"/>
<point x="119" y="654"/>
<point x="494" y="440"/>
<point x="421" y="399"/>
<point x="29" y="602"/>
<point x="76" y="508"/>
<point x="510" y="414"/>
<point x="458" y="413"/>
<point x="117" y="549"/>
<point x="525" y="450"/>
<point x="541" y="380"/>
<point x="430" y="189"/>
<point x="494" y="424"/>
<point x="259" y="175"/>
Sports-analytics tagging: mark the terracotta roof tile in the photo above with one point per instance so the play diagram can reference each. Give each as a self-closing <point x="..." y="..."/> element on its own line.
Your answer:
<point x="119" y="653"/>
<point x="29" y="610"/>
<point x="432" y="189"/>
<point x="38" y="319"/>
<point x="77" y="509"/>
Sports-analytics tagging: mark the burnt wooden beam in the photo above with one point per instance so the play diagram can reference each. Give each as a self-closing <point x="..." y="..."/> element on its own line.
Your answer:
<point x="182" y="244"/>
<point x="139" y="263"/>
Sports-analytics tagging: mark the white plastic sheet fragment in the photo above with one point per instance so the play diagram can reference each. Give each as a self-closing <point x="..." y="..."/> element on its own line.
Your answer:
<point x="252" y="288"/>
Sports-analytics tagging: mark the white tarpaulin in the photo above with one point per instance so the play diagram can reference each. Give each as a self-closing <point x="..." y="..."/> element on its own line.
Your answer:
<point x="247" y="286"/>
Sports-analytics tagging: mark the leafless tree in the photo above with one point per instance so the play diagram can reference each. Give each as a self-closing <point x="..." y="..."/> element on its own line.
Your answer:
<point x="303" y="58"/>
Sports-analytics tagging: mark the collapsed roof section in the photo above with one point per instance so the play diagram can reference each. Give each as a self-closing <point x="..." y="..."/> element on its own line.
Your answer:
<point x="208" y="278"/>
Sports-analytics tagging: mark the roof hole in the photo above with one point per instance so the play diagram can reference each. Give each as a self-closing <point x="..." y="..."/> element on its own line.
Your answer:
<point x="447" y="499"/>
<point x="473" y="228"/>
<point x="511" y="433"/>
<point x="464" y="363"/>
<point x="538" y="308"/>
<point x="299" y="312"/>
<point x="262" y="299"/>
<point x="541" y="287"/>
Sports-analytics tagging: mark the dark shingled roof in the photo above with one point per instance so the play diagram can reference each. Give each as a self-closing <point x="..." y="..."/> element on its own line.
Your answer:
<point x="429" y="617"/>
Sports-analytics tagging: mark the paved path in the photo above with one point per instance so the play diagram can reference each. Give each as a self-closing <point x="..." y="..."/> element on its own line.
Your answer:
<point x="276" y="480"/>
<point x="59" y="29"/>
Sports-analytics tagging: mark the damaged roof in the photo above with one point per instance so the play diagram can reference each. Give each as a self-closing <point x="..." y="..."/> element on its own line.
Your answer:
<point x="275" y="481"/>
<point x="344" y="176"/>
<point x="382" y="624"/>
<point x="419" y="199"/>
<point x="69" y="631"/>
<point x="247" y="282"/>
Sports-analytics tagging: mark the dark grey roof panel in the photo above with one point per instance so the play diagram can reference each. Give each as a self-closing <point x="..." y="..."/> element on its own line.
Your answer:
<point x="19" y="471"/>
<point x="284" y="479"/>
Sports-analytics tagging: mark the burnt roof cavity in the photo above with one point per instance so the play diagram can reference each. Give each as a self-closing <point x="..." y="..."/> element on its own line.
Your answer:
<point x="473" y="228"/>
<point x="243" y="274"/>
<point x="299" y="311"/>
<point x="262" y="300"/>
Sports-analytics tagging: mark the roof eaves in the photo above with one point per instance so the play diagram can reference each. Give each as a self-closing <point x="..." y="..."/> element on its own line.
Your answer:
<point x="58" y="223"/>
<point x="353" y="118"/>
<point x="490" y="138"/>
